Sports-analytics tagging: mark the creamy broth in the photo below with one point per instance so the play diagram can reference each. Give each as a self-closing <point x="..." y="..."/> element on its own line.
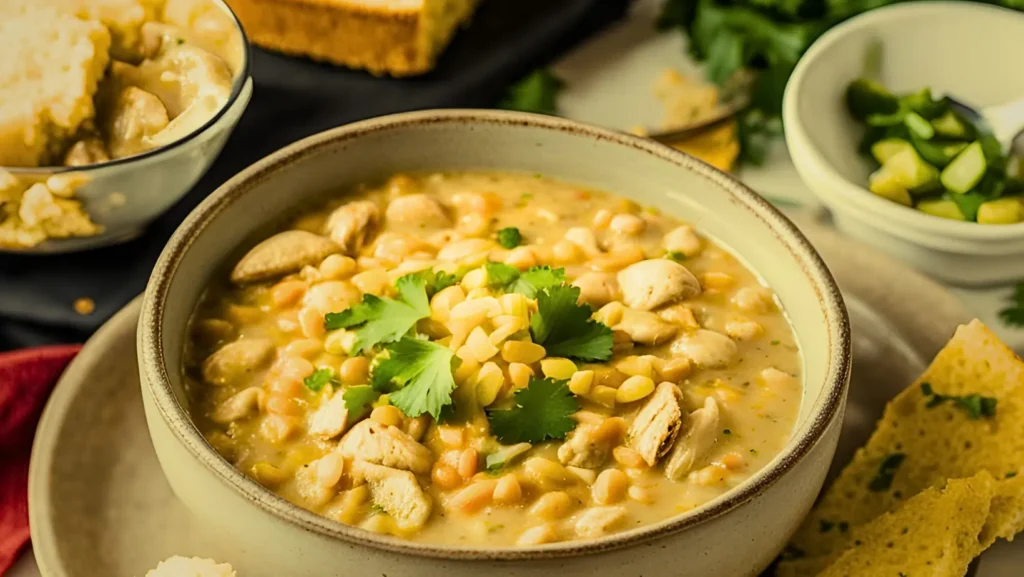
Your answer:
<point x="712" y="352"/>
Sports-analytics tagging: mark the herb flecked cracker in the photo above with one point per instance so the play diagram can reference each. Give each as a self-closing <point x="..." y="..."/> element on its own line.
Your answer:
<point x="964" y="415"/>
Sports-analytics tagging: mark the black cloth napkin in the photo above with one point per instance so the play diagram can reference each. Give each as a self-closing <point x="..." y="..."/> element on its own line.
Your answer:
<point x="294" y="98"/>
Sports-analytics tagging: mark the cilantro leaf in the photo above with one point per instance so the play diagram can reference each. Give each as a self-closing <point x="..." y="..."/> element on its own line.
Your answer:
<point x="537" y="93"/>
<point x="510" y="237"/>
<point x="509" y="279"/>
<point x="436" y="281"/>
<point x="975" y="405"/>
<point x="420" y="374"/>
<point x="542" y="411"/>
<point x="1013" y="314"/>
<point x="565" y="328"/>
<point x="886" y="472"/>
<point x="318" y="379"/>
<point x="358" y="399"/>
<point x="381" y="319"/>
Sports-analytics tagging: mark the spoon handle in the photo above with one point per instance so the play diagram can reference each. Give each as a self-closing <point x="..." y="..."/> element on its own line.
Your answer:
<point x="1006" y="121"/>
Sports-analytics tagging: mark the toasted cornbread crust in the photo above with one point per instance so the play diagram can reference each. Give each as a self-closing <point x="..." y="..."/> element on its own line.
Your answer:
<point x="402" y="42"/>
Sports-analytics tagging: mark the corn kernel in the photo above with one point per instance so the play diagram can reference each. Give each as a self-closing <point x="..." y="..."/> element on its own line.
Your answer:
<point x="442" y="303"/>
<point x="580" y="382"/>
<point x="374" y="281"/>
<point x="522" y="352"/>
<point x="520" y="375"/>
<point x="557" y="368"/>
<point x="337" y="267"/>
<point x="514" y="304"/>
<point x="489" y="381"/>
<point x="674" y="370"/>
<point x="268" y="475"/>
<point x="465" y="371"/>
<point x="387" y="415"/>
<point x="339" y="342"/>
<point x="476" y="310"/>
<point x="478" y="293"/>
<point x="634" y="389"/>
<point x="610" y="314"/>
<point x="634" y="365"/>
<point x="501" y="333"/>
<point x="717" y="280"/>
<point x="603" y="395"/>
<point x="478" y="347"/>
<point x="547" y="473"/>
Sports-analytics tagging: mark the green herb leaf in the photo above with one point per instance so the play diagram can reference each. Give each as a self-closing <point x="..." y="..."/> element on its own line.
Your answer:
<point x="1013" y="314"/>
<point x="319" y="379"/>
<point x="975" y="405"/>
<point x="509" y="279"/>
<point x="676" y="256"/>
<point x="886" y="472"/>
<point x="436" y="281"/>
<point x="382" y="320"/>
<point x="542" y="411"/>
<point x="509" y="237"/>
<point x="358" y="400"/>
<point x="565" y="328"/>
<point x="419" y="373"/>
<point x="825" y="526"/>
<point x="536" y="93"/>
<point x="500" y="275"/>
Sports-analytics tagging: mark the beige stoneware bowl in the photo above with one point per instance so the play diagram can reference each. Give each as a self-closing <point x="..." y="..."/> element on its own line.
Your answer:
<point x="735" y="535"/>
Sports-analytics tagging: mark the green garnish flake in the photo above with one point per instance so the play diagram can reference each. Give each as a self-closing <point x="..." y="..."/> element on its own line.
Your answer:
<point x="379" y="320"/>
<point x="436" y="281"/>
<point x="887" y="472"/>
<point x="510" y="279"/>
<point x="1011" y="474"/>
<point x="180" y="41"/>
<point x="417" y="375"/>
<point x="537" y="93"/>
<point x="318" y="380"/>
<point x="844" y="526"/>
<point x="775" y="342"/>
<point x="510" y="237"/>
<point x="358" y="400"/>
<point x="542" y="411"/>
<point x="565" y="329"/>
<point x="675" y="255"/>
<point x="825" y="526"/>
<point x="975" y="405"/>
<point x="1013" y="314"/>
<point x="726" y="432"/>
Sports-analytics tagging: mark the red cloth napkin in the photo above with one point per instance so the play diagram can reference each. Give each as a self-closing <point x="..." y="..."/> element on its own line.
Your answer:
<point x="26" y="379"/>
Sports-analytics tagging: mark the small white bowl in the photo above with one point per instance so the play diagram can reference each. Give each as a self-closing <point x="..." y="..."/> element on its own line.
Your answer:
<point x="126" y="194"/>
<point x="961" y="48"/>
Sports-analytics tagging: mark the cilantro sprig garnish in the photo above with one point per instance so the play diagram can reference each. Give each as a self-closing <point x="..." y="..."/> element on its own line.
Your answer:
<point x="417" y="375"/>
<point x="510" y="279"/>
<point x="510" y="237"/>
<point x="358" y="399"/>
<point x="436" y="281"/>
<point x="379" y="320"/>
<point x="975" y="405"/>
<point x="319" y="379"/>
<point x="536" y="93"/>
<point x="886" y="472"/>
<point x="1013" y="314"/>
<point x="565" y="329"/>
<point x="542" y="411"/>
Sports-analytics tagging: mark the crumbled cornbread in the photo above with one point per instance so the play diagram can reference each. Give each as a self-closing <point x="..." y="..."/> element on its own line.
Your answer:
<point x="51" y="66"/>
<point x="31" y="212"/>
<point x="396" y="37"/>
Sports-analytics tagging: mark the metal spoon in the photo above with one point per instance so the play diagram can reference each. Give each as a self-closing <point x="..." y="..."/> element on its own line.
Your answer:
<point x="1005" y="121"/>
<point x="722" y="114"/>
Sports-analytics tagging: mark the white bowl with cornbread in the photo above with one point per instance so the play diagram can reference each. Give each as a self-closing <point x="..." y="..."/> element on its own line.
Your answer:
<point x="133" y="104"/>
<point x="731" y="524"/>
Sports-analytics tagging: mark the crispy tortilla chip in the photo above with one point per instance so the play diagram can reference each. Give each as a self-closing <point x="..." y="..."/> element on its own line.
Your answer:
<point x="719" y="147"/>
<point x="935" y="533"/>
<point x="939" y="442"/>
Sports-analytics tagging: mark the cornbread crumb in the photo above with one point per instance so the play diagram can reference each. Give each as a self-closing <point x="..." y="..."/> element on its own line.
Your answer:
<point x="84" y="306"/>
<point x="31" y="212"/>
<point x="396" y="37"/>
<point x="191" y="567"/>
<point x="51" y="66"/>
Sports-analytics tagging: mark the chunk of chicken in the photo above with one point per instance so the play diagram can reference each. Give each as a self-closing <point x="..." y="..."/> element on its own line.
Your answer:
<point x="180" y="75"/>
<point x="351" y="225"/>
<point x="706" y="348"/>
<point x="597" y="288"/>
<point x="284" y="253"/>
<point x="236" y="359"/>
<point x="654" y="282"/>
<point x="396" y="492"/>
<point x="656" y="425"/>
<point x="695" y="444"/>
<point x="85" y="152"/>
<point x="330" y="419"/>
<point x="584" y="238"/>
<point x="239" y="406"/>
<point x="599" y="521"/>
<point x="417" y="210"/>
<point x="135" y="117"/>
<point x="584" y="449"/>
<point x="373" y="442"/>
<point x="682" y="239"/>
<point x="645" y="327"/>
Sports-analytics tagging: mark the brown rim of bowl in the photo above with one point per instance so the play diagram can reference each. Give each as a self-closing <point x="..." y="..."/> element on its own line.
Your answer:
<point x="178" y="420"/>
<point x="237" y="84"/>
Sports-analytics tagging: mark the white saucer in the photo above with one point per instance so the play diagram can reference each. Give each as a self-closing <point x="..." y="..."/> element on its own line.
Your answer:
<point x="100" y="507"/>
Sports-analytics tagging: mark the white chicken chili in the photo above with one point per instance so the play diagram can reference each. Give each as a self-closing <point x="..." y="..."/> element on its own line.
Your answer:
<point x="481" y="358"/>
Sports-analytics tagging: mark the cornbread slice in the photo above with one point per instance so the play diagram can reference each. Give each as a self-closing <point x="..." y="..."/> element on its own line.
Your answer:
<point x="937" y="440"/>
<point x="51" y="66"/>
<point x="396" y="37"/>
